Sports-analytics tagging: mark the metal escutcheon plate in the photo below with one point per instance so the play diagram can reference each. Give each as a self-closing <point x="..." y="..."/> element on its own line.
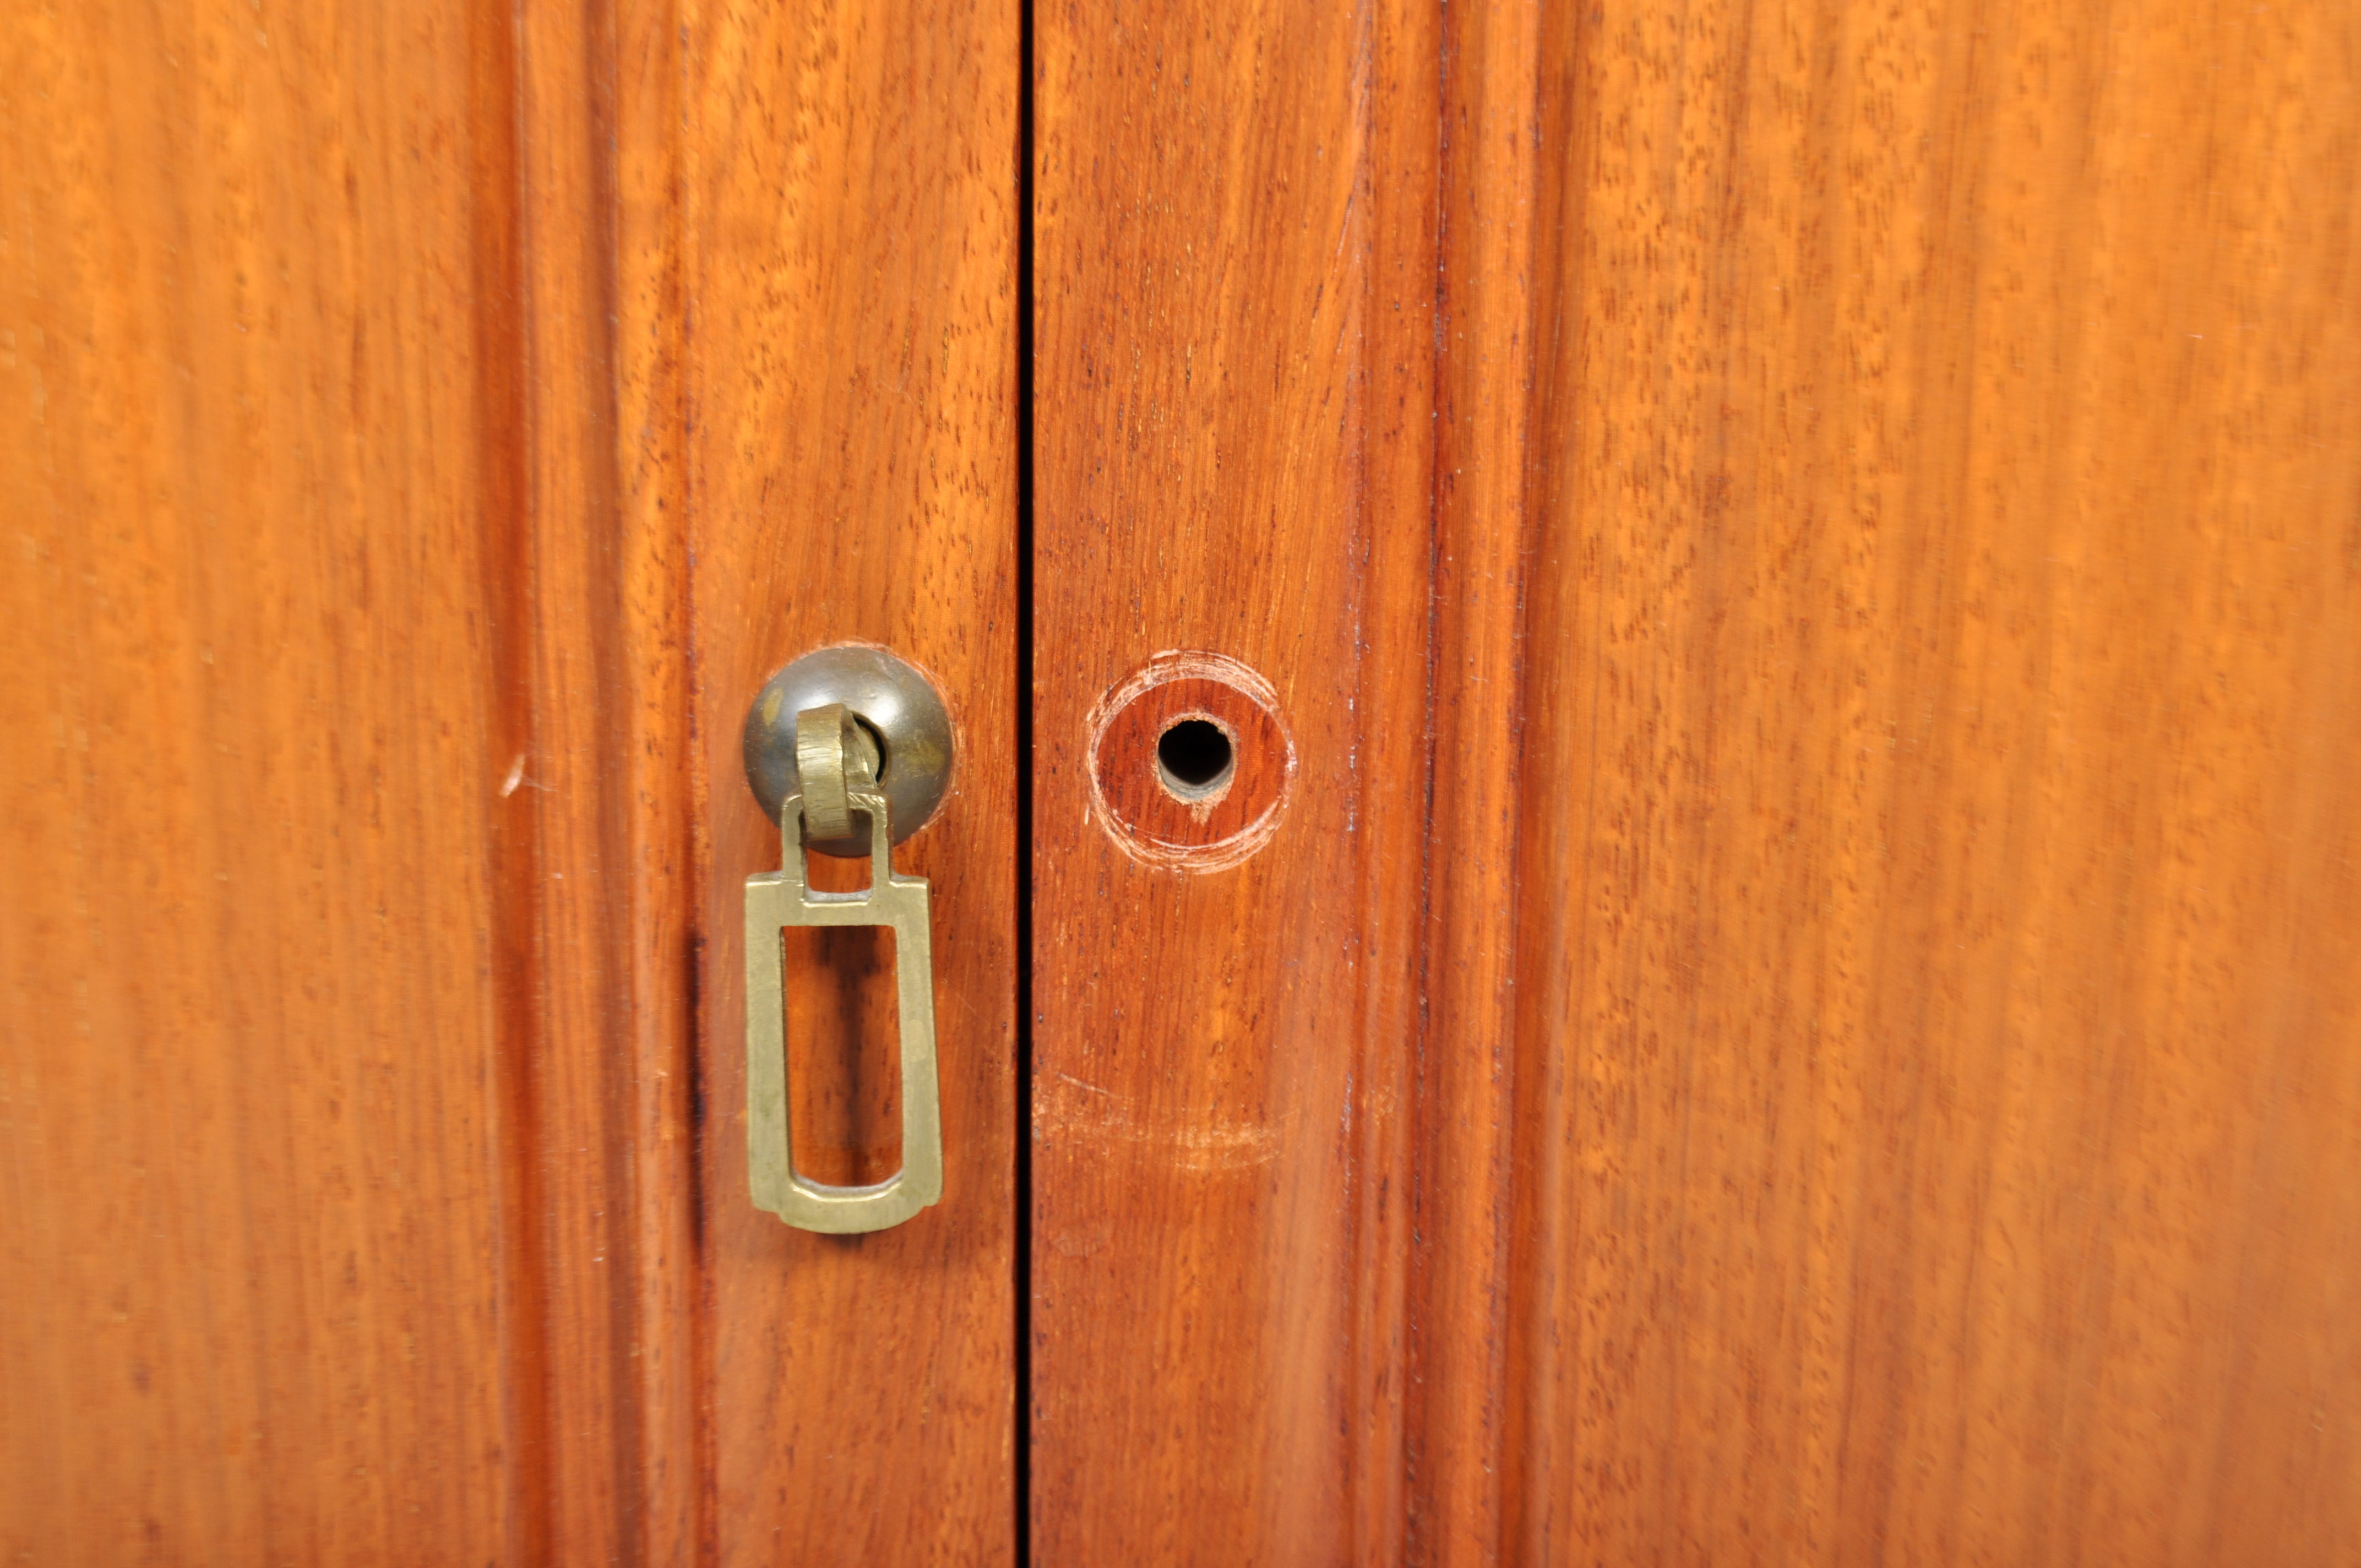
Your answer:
<point x="897" y="705"/>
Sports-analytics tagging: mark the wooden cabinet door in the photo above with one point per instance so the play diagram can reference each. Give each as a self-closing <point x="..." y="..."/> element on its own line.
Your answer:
<point x="423" y="425"/>
<point x="1654" y="852"/>
<point x="1804" y="1002"/>
<point x="849" y="179"/>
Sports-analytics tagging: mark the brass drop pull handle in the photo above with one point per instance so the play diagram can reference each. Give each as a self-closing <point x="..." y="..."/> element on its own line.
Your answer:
<point x="857" y="715"/>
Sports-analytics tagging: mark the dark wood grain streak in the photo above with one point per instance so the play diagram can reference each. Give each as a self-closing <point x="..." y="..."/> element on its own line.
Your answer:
<point x="661" y="790"/>
<point x="1467" y="1093"/>
<point x="1397" y="218"/>
<point x="601" y="608"/>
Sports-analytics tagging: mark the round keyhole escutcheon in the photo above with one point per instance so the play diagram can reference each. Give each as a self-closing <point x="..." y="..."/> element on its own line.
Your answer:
<point x="1191" y="765"/>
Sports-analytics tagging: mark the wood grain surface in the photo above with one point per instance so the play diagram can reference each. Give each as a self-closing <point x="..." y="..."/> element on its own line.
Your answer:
<point x="849" y="188"/>
<point x="1870" y="1068"/>
<point x="344" y="955"/>
<point x="1165" y="818"/>
<point x="254" y="1094"/>
<point x="1938" y="1086"/>
<point x="360" y="1036"/>
<point x="1234" y="319"/>
<point x="1805" y="1005"/>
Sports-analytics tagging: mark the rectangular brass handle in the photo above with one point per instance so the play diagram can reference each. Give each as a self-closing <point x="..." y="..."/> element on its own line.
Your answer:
<point x="779" y="899"/>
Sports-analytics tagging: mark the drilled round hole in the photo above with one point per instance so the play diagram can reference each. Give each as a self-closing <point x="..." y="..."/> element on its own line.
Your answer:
<point x="1194" y="758"/>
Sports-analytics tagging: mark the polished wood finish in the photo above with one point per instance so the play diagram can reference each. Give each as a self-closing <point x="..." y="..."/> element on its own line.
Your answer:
<point x="1939" y="1046"/>
<point x="1234" y="320"/>
<point x="848" y="181"/>
<point x="1802" y="1005"/>
<point x="845" y="1108"/>
<point x="341" y="956"/>
<point x="1859" y="1062"/>
<point x="1164" y="818"/>
<point x="427" y="428"/>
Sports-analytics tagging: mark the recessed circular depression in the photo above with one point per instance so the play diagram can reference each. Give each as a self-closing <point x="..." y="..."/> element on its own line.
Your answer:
<point x="1194" y="759"/>
<point x="1190" y="764"/>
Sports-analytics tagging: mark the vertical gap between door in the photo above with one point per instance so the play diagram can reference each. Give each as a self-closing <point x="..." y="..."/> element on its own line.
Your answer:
<point x="1022" y="1250"/>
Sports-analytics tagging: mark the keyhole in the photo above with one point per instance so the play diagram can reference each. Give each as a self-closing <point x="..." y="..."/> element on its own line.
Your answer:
<point x="1194" y="759"/>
